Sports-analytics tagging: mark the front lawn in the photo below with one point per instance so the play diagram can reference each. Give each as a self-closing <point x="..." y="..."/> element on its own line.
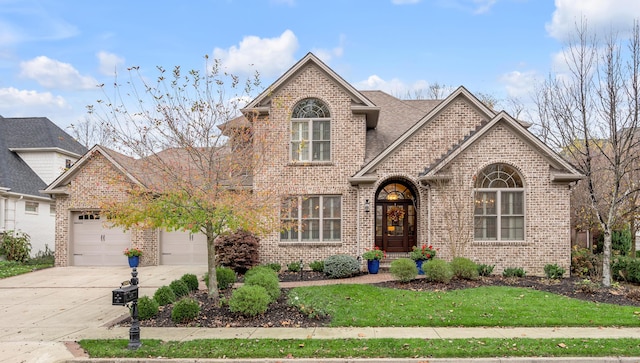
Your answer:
<point x="12" y="268"/>
<point x="366" y="305"/>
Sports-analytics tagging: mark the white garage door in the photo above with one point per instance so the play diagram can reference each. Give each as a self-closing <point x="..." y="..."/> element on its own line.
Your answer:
<point x="95" y="245"/>
<point x="183" y="248"/>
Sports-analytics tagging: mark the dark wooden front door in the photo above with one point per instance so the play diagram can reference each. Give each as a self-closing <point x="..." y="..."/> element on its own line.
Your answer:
<point x="395" y="225"/>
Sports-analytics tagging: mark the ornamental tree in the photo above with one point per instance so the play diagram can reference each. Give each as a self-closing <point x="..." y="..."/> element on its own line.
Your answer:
<point x="193" y="149"/>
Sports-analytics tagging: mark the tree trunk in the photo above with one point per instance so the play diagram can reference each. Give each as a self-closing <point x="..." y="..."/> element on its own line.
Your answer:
<point x="211" y="264"/>
<point x="606" y="258"/>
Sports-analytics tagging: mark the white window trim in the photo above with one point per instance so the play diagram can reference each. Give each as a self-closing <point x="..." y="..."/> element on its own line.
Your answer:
<point x="499" y="215"/>
<point x="321" y="220"/>
<point x="310" y="140"/>
<point x="37" y="207"/>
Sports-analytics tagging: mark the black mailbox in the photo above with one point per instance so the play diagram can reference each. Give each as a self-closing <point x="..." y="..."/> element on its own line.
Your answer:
<point x="125" y="294"/>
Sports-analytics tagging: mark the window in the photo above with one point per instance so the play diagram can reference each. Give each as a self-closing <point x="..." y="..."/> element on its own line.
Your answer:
<point x="311" y="131"/>
<point x="499" y="204"/>
<point x="311" y="219"/>
<point x="52" y="209"/>
<point x="31" y="207"/>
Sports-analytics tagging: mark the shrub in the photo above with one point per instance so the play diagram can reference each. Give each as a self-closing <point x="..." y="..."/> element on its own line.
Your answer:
<point x="191" y="280"/>
<point x="15" y="246"/>
<point x="179" y="288"/>
<point x="238" y="251"/>
<point x="553" y="271"/>
<point x="587" y="286"/>
<point x="147" y="308"/>
<point x="164" y="295"/>
<point x="185" y="310"/>
<point x="485" y="270"/>
<point x="625" y="268"/>
<point x="620" y="242"/>
<point x="317" y="266"/>
<point x="585" y="263"/>
<point x="403" y="269"/>
<point x="274" y="266"/>
<point x="249" y="300"/>
<point x="46" y="257"/>
<point x="464" y="268"/>
<point x="261" y="270"/>
<point x="294" y="266"/>
<point x="437" y="270"/>
<point x="341" y="266"/>
<point x="225" y="277"/>
<point x="268" y="280"/>
<point x="513" y="272"/>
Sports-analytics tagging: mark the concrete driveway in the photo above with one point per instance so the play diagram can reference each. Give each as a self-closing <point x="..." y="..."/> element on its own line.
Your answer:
<point x="39" y="310"/>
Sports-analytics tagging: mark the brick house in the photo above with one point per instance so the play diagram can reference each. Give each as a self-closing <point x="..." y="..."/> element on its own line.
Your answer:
<point x="357" y="169"/>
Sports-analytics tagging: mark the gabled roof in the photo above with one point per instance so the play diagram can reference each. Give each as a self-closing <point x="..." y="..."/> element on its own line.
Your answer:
<point x="29" y="135"/>
<point x="562" y="170"/>
<point x="123" y="163"/>
<point x="359" y="103"/>
<point x="416" y="126"/>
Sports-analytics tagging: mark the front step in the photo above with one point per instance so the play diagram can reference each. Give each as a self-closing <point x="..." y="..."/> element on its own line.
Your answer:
<point x="385" y="263"/>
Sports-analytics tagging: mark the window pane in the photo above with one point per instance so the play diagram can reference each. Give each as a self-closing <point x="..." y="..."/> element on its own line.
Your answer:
<point x="331" y="207"/>
<point x="321" y="150"/>
<point x="331" y="230"/>
<point x="378" y="220"/>
<point x="485" y="228"/>
<point x="485" y="203"/>
<point x="321" y="130"/>
<point x="299" y="131"/>
<point x="311" y="230"/>
<point x="512" y="228"/>
<point x="512" y="203"/>
<point x="310" y="207"/>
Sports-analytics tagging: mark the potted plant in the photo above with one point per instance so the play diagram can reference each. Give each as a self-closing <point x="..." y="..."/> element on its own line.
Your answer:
<point x="134" y="256"/>
<point x="373" y="257"/>
<point x="420" y="255"/>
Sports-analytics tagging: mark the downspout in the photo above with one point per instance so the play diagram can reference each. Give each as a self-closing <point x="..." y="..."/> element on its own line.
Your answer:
<point x="429" y="241"/>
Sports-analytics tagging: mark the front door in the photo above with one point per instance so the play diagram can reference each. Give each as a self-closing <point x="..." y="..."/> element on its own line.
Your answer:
<point x="395" y="218"/>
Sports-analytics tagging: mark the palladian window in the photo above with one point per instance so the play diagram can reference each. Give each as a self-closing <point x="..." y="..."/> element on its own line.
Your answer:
<point x="311" y="131"/>
<point x="499" y="204"/>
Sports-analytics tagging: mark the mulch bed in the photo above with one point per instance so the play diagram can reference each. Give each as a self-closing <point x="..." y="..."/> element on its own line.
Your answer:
<point x="281" y="314"/>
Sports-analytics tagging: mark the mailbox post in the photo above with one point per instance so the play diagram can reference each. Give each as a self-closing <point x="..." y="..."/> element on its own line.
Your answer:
<point x="129" y="294"/>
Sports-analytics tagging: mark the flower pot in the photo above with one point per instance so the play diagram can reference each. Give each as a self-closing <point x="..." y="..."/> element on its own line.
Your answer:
<point x="373" y="266"/>
<point x="419" y="266"/>
<point x="134" y="261"/>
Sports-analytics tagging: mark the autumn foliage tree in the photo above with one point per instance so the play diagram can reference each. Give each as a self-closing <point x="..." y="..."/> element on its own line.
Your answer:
<point x="194" y="149"/>
<point x="590" y="113"/>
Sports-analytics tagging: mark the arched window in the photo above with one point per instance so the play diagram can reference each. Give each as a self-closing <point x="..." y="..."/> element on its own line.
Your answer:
<point x="311" y="131"/>
<point x="499" y="204"/>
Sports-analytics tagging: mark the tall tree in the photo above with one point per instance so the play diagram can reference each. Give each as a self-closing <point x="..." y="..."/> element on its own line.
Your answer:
<point x="195" y="150"/>
<point x="590" y="114"/>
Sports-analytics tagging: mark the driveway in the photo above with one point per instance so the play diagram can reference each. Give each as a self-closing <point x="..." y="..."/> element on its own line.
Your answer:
<point x="39" y="310"/>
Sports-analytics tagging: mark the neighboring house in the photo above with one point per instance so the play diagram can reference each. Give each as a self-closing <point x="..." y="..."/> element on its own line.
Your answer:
<point x="33" y="152"/>
<point x="357" y="169"/>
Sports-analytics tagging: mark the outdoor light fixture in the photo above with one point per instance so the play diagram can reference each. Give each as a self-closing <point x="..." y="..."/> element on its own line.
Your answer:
<point x="367" y="206"/>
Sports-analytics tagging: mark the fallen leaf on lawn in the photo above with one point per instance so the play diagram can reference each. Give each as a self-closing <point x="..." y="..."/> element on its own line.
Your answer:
<point x="562" y="345"/>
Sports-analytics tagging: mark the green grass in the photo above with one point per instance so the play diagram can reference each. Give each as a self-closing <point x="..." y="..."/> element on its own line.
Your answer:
<point x="366" y="348"/>
<point x="366" y="305"/>
<point x="12" y="268"/>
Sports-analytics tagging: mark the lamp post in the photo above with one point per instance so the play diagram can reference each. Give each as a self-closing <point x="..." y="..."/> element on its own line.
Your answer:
<point x="134" y="330"/>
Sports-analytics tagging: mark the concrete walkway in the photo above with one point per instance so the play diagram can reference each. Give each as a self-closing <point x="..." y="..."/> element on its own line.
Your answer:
<point x="42" y="310"/>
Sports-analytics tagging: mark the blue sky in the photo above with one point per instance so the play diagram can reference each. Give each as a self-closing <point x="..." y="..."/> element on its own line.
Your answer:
<point x="54" y="53"/>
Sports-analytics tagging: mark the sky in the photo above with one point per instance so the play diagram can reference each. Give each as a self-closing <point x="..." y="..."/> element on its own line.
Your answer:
<point x="53" y="54"/>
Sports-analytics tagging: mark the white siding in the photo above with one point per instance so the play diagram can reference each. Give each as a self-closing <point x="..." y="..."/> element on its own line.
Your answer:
<point x="47" y="164"/>
<point x="39" y="226"/>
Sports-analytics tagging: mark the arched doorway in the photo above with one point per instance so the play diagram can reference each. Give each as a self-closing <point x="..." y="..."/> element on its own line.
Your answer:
<point x="396" y="217"/>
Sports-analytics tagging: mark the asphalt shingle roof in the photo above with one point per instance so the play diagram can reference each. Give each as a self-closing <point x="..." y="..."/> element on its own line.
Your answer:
<point x="29" y="133"/>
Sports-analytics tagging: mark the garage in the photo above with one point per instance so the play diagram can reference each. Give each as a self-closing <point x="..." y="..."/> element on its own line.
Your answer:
<point x="94" y="244"/>
<point x="183" y="248"/>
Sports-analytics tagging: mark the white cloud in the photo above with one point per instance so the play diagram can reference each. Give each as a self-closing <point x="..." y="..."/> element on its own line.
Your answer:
<point x="109" y="63"/>
<point x="269" y="56"/>
<point x="601" y="16"/>
<point x="23" y="21"/>
<point x="519" y="84"/>
<point x="394" y="87"/>
<point x="23" y="103"/>
<point x="328" y="54"/>
<point x="51" y="73"/>
<point x="472" y="6"/>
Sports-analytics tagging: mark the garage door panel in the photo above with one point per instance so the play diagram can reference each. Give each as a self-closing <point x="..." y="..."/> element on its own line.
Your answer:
<point x="94" y="244"/>
<point x="183" y="248"/>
